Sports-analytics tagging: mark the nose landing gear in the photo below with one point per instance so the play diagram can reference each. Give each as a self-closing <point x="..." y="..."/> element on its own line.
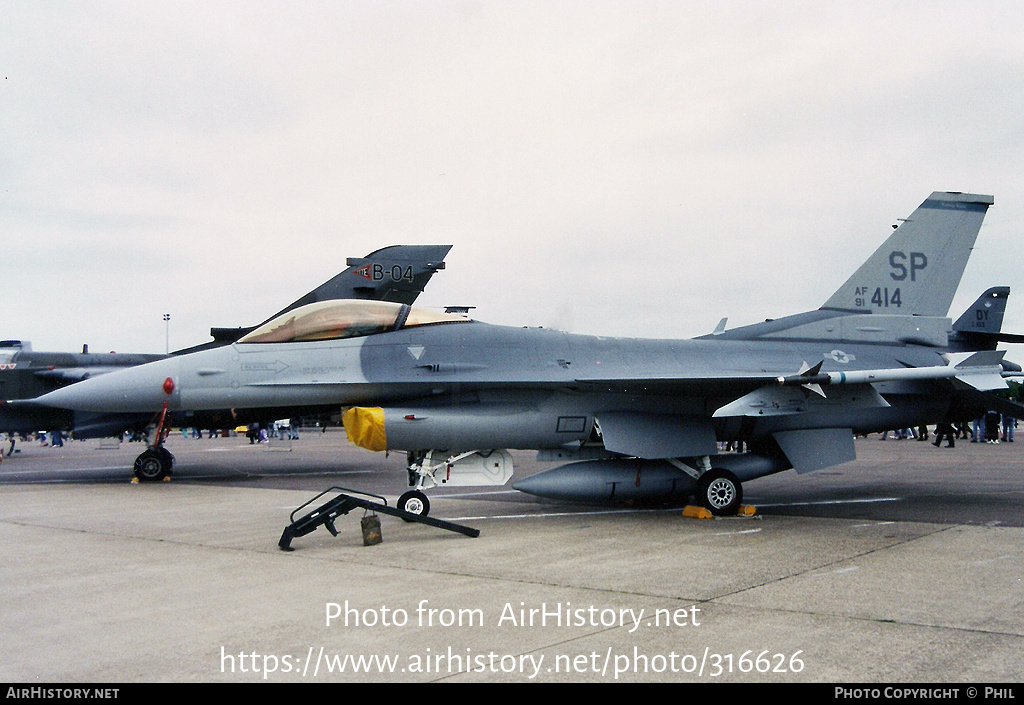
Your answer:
<point x="414" y="502"/>
<point x="154" y="464"/>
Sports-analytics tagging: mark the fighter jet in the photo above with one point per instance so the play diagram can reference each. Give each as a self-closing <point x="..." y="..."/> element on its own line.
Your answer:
<point x="635" y="419"/>
<point x="396" y="273"/>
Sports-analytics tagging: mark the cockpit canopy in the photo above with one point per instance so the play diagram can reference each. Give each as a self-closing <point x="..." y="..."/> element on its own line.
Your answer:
<point x="344" y="318"/>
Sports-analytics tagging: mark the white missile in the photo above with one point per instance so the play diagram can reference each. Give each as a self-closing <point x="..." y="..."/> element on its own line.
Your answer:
<point x="981" y="370"/>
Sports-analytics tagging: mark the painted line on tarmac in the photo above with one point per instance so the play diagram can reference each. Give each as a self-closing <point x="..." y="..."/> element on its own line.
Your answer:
<point x="544" y="515"/>
<point x="867" y="500"/>
<point x="77" y="476"/>
<point x="472" y="495"/>
<point x="51" y="471"/>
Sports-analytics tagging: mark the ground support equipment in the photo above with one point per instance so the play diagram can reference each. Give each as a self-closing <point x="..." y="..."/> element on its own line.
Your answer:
<point x="344" y="503"/>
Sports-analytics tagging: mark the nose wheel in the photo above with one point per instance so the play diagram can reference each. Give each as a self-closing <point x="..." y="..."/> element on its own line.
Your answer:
<point x="414" y="502"/>
<point x="153" y="464"/>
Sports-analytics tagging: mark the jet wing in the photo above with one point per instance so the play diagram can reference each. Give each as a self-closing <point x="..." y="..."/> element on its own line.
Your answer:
<point x="978" y="370"/>
<point x="723" y="385"/>
<point x="808" y="398"/>
<point x="652" y="436"/>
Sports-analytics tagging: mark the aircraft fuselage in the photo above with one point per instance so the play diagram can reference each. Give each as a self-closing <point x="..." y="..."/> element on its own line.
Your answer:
<point x="556" y="382"/>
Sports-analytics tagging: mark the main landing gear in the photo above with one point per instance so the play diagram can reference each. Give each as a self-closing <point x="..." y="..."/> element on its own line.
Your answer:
<point x="716" y="489"/>
<point x="719" y="491"/>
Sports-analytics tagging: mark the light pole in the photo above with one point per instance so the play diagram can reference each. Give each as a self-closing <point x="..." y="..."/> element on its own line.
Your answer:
<point x="167" y="326"/>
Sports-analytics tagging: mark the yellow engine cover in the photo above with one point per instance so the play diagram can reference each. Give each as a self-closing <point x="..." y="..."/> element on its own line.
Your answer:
<point x="364" y="426"/>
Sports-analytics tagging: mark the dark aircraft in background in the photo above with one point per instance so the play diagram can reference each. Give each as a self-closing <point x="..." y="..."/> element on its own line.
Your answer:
<point x="397" y="273"/>
<point x="26" y="374"/>
<point x="636" y="419"/>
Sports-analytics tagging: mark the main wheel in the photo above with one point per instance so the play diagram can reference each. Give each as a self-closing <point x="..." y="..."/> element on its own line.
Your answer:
<point x="720" y="492"/>
<point x="414" y="502"/>
<point x="153" y="464"/>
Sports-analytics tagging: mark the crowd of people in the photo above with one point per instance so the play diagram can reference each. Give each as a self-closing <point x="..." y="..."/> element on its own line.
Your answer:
<point x="991" y="427"/>
<point x="256" y="433"/>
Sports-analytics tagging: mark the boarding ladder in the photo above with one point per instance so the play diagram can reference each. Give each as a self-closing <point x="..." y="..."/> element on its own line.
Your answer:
<point x="344" y="503"/>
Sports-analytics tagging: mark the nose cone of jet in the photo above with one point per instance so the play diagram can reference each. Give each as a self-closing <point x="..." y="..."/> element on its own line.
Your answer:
<point x="137" y="389"/>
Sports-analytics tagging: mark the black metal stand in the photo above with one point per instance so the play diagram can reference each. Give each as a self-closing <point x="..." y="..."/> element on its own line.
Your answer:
<point x="344" y="503"/>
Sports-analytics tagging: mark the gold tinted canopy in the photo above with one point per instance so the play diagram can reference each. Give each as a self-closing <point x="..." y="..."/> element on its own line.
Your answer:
<point x="344" y="318"/>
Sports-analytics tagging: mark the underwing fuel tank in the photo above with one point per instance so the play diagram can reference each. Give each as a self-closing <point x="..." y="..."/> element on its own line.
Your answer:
<point x="614" y="480"/>
<point x="636" y="480"/>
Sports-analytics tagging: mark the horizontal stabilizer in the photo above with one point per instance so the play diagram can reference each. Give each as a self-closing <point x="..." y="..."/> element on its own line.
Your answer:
<point x="991" y="402"/>
<point x="992" y="339"/>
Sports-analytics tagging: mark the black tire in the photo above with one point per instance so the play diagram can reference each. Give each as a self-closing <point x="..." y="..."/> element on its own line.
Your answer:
<point x="153" y="465"/>
<point x="720" y="492"/>
<point x="414" y="502"/>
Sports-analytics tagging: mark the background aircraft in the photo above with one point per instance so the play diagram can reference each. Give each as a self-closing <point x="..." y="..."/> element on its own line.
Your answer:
<point x="26" y="374"/>
<point x="395" y="273"/>
<point x="638" y="419"/>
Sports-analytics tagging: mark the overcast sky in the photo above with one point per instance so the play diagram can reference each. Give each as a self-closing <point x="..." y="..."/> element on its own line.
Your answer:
<point x="620" y="168"/>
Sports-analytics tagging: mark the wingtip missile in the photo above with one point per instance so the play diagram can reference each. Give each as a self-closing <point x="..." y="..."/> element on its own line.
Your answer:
<point x="980" y="370"/>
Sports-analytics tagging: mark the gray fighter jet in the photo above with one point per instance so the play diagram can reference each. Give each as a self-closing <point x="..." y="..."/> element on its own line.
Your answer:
<point x="635" y="419"/>
<point x="395" y="273"/>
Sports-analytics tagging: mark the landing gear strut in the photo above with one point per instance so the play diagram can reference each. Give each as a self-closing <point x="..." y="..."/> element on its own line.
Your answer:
<point x="717" y="490"/>
<point x="154" y="464"/>
<point x="438" y="468"/>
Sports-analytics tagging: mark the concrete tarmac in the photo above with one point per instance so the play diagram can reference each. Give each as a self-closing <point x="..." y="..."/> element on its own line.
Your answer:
<point x="906" y="566"/>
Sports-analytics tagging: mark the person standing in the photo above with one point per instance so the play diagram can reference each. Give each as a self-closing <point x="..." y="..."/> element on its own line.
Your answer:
<point x="944" y="430"/>
<point x="1008" y="423"/>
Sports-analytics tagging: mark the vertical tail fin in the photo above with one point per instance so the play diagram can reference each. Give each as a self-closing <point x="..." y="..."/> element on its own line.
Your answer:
<point x="397" y="273"/>
<point x="986" y="314"/>
<point x="981" y="326"/>
<point x="918" y="269"/>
